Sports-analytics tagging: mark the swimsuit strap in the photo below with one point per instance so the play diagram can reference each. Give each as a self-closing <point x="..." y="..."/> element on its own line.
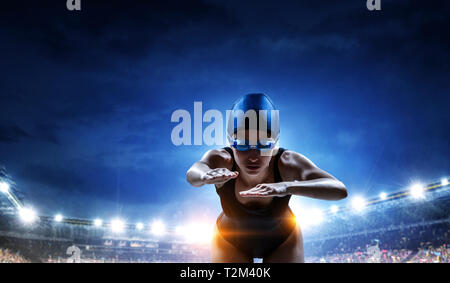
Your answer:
<point x="230" y="151"/>
<point x="276" y="169"/>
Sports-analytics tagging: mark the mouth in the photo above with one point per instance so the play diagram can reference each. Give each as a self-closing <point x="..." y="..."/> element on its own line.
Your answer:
<point x="253" y="167"/>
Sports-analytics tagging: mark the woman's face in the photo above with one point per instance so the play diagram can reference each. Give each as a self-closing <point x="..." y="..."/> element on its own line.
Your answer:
<point x="251" y="161"/>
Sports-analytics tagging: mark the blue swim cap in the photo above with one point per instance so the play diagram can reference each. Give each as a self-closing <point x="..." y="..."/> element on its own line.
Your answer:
<point x="268" y="119"/>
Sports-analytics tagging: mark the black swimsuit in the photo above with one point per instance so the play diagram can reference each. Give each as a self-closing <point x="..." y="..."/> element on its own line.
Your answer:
<point x="256" y="232"/>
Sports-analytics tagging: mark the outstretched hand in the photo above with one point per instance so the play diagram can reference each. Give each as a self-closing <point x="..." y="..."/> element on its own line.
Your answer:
<point x="219" y="176"/>
<point x="266" y="190"/>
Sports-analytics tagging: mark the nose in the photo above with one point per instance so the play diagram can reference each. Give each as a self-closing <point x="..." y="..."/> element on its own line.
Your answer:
<point x="253" y="155"/>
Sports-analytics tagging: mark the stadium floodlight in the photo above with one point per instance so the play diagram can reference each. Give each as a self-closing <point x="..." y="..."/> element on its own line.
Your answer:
<point x="139" y="226"/>
<point x="383" y="196"/>
<point x="444" y="182"/>
<point x="158" y="228"/>
<point x="358" y="203"/>
<point x="27" y="215"/>
<point x="179" y="230"/>
<point x="417" y="191"/>
<point x="98" y="222"/>
<point x="334" y="209"/>
<point x="117" y="225"/>
<point x="58" y="218"/>
<point x="316" y="216"/>
<point x="4" y="187"/>
<point x="200" y="233"/>
<point x="308" y="217"/>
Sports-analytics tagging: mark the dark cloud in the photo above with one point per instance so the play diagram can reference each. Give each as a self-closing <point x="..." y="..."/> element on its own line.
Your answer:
<point x="136" y="139"/>
<point x="133" y="29"/>
<point x="47" y="132"/>
<point x="58" y="178"/>
<point x="122" y="184"/>
<point x="12" y="133"/>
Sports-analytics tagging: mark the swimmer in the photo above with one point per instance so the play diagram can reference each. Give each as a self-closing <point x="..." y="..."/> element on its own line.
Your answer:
<point x="255" y="182"/>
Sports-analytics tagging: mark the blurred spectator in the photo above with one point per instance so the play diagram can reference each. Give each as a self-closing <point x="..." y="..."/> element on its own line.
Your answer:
<point x="6" y="256"/>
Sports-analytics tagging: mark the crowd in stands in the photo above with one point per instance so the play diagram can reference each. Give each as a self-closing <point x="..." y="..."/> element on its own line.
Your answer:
<point x="7" y="256"/>
<point x="404" y="238"/>
<point x="56" y="251"/>
<point x="432" y="255"/>
<point x="421" y="243"/>
<point x="422" y="255"/>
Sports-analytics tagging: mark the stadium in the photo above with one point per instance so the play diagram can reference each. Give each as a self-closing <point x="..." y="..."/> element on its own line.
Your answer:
<point x="410" y="225"/>
<point x="117" y="144"/>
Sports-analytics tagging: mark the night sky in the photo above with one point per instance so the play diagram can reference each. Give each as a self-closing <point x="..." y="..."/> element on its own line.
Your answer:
<point x="87" y="96"/>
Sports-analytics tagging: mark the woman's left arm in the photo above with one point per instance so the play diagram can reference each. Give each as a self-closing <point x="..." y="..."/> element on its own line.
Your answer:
<point x="314" y="182"/>
<point x="322" y="188"/>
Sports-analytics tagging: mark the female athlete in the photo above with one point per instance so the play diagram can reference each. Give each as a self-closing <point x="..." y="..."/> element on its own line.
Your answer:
<point x="255" y="181"/>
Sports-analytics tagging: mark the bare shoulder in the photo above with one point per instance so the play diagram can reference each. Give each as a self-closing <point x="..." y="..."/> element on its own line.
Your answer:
<point x="292" y="159"/>
<point x="294" y="166"/>
<point x="217" y="158"/>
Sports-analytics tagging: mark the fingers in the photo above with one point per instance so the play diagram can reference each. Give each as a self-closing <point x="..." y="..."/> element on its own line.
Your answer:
<point x="219" y="175"/>
<point x="258" y="191"/>
<point x="234" y="174"/>
<point x="255" y="194"/>
<point x="222" y="172"/>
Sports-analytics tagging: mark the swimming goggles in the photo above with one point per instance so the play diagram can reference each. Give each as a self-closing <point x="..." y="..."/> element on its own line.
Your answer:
<point x="245" y="145"/>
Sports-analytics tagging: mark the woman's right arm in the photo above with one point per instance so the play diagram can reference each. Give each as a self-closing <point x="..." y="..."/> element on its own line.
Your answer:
<point x="213" y="168"/>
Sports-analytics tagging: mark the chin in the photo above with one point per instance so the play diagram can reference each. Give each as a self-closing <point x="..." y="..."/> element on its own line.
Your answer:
<point x="253" y="172"/>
